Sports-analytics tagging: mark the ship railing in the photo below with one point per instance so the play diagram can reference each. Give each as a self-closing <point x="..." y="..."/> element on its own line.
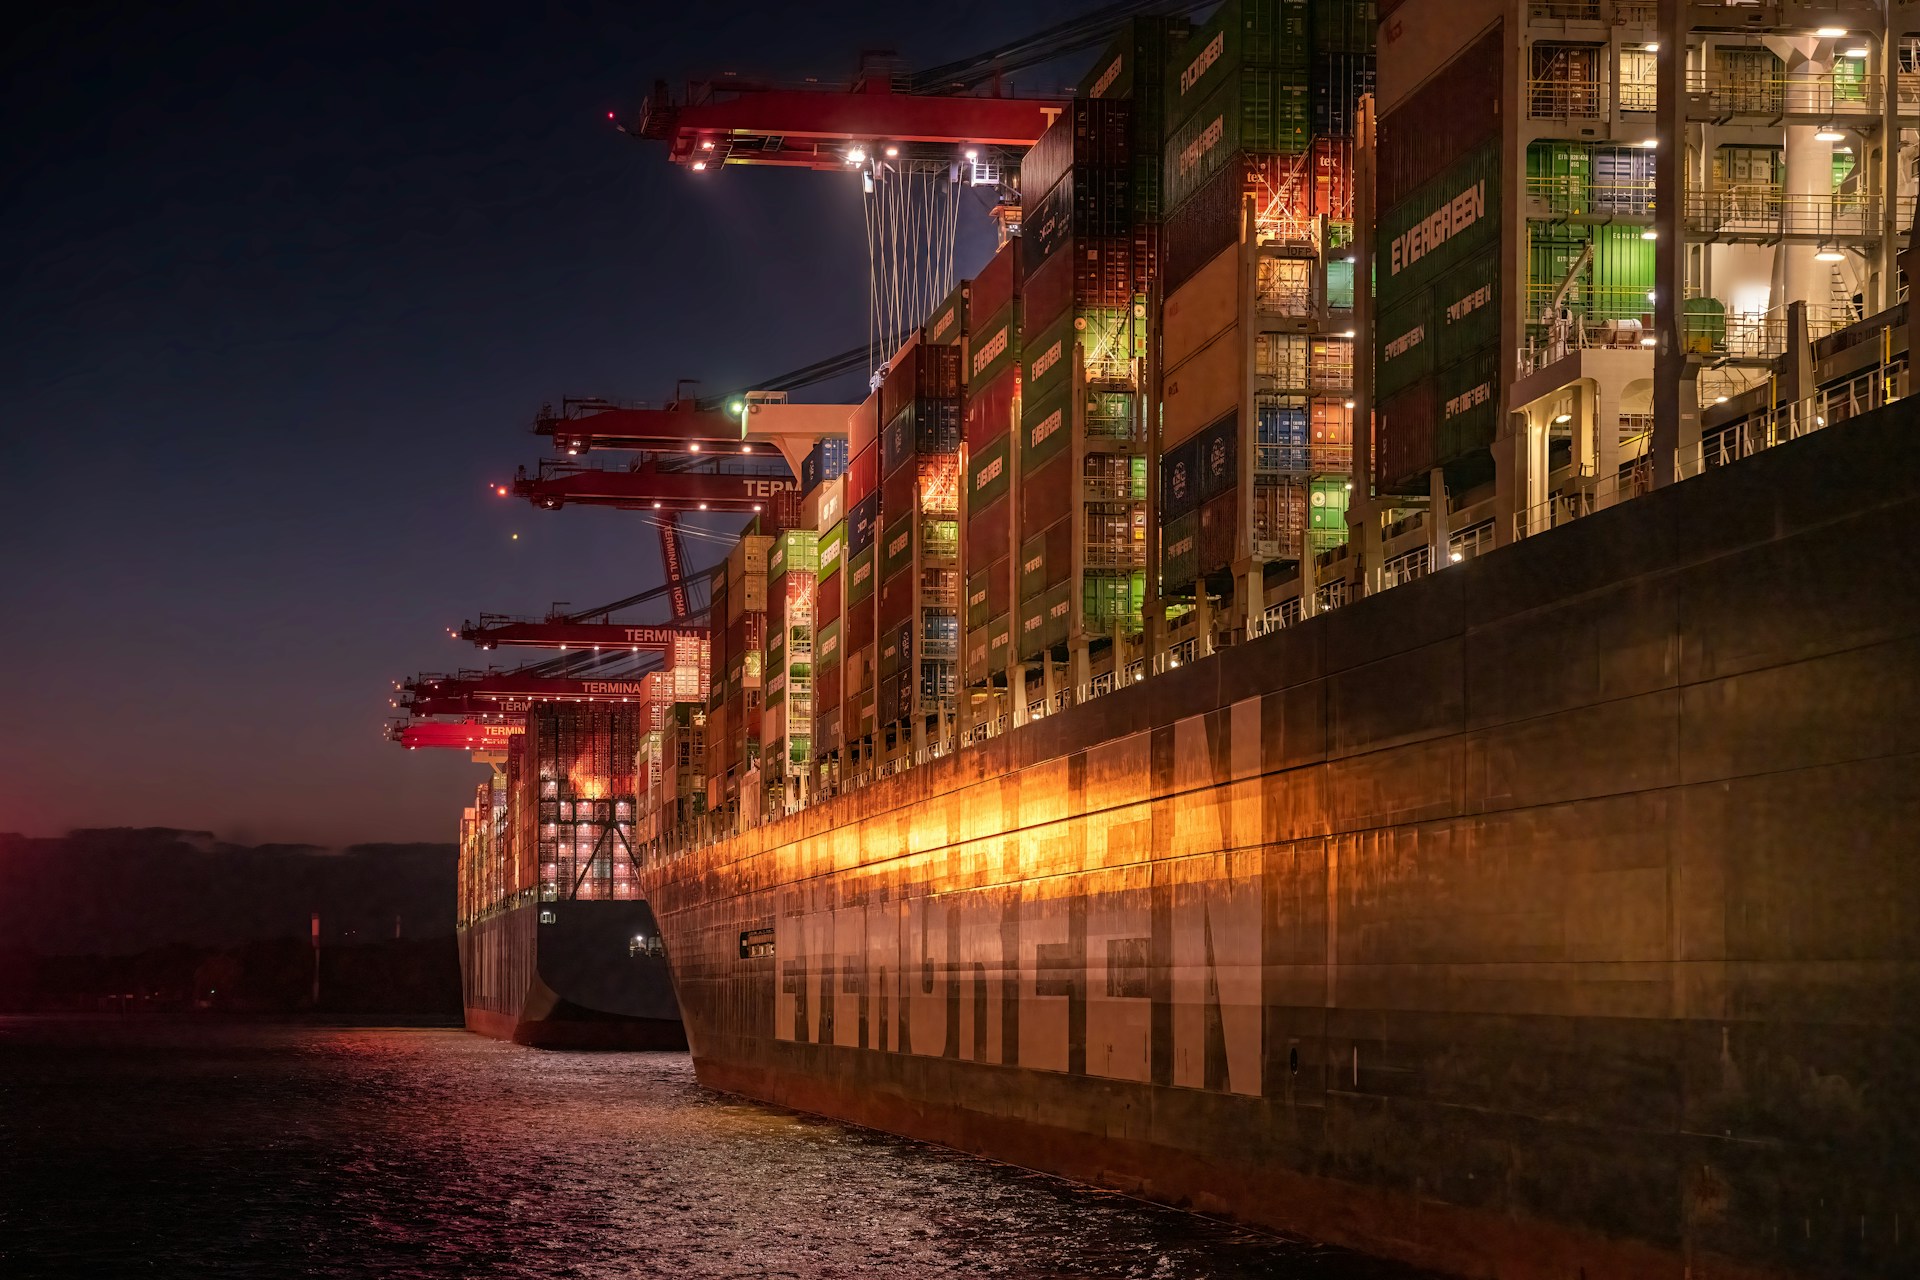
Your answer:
<point x="1842" y="92"/>
<point x="1764" y="212"/>
<point x="1721" y="446"/>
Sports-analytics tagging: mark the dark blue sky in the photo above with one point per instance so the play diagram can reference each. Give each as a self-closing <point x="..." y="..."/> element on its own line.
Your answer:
<point x="283" y="289"/>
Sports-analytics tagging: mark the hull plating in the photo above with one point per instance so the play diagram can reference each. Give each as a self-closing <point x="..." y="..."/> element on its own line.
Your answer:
<point x="573" y="983"/>
<point x="1551" y="916"/>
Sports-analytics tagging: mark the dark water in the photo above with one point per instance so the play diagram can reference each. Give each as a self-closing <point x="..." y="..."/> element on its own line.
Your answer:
<point x="154" y="1150"/>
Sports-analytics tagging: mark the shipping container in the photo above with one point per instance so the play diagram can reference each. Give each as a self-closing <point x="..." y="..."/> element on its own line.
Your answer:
<point x="1449" y="117"/>
<point x="1000" y="644"/>
<point x="1198" y="231"/>
<point x="948" y="324"/>
<point x="1085" y="134"/>
<point x="1327" y="503"/>
<point x="994" y="290"/>
<point x="990" y="409"/>
<point x="1179" y="553"/>
<point x="863" y="524"/>
<point x="1241" y="35"/>
<point x="1466" y="306"/>
<point x="993" y="350"/>
<point x="1406" y="442"/>
<point x="1047" y="430"/>
<point x="1219" y="531"/>
<point x="1112" y="601"/>
<point x="989" y="475"/>
<point x="896" y="547"/>
<point x="1217" y="456"/>
<point x="1281" y="435"/>
<point x="1046" y="493"/>
<point x="1342" y="26"/>
<point x="1259" y="114"/>
<point x="922" y="428"/>
<point x="860" y="578"/>
<point x="1339" y="80"/>
<point x="1468" y="406"/>
<point x="1201" y="308"/>
<point x="1441" y="225"/>
<point x="978" y="648"/>
<point x="827" y="460"/>
<point x="1279" y="518"/>
<point x="1202" y="388"/>
<point x="1085" y="272"/>
<point x="1086" y="203"/>
<point x="1179" y="481"/>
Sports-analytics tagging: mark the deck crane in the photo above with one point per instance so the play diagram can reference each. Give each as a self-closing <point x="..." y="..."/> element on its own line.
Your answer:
<point x="914" y="141"/>
<point x="471" y="734"/>
<point x="591" y="630"/>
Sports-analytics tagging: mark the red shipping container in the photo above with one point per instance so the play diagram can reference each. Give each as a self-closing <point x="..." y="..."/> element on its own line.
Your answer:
<point x="1219" y="530"/>
<point x="896" y="600"/>
<point x="1045" y="493"/>
<point x="863" y="425"/>
<point x="990" y="532"/>
<point x="990" y="413"/>
<point x="1060" y="551"/>
<point x="999" y="281"/>
<point x="1406" y="446"/>
<point x="863" y="473"/>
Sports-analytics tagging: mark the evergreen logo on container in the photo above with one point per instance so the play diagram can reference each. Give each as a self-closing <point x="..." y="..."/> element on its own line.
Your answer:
<point x="1203" y="62"/>
<point x="1046" y="360"/>
<point x="1107" y="77"/>
<point x="1196" y="151"/>
<point x="1044" y="429"/>
<point x="990" y="473"/>
<point x="1438" y="227"/>
<point x="989" y="350"/>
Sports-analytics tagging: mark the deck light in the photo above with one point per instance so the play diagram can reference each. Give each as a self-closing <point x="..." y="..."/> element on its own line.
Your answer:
<point x="1650" y="143"/>
<point x="1456" y="557"/>
<point x="1828" y="133"/>
<point x="699" y="165"/>
<point x="1861" y="52"/>
<point x="1719" y="399"/>
<point x="1650" y="234"/>
<point x="694" y="447"/>
<point x="1830" y="33"/>
<point x="1563" y="419"/>
<point x="892" y="152"/>
<point x="1829" y="253"/>
<point x="1646" y="342"/>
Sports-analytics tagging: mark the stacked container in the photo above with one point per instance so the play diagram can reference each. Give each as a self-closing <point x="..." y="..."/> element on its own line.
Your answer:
<point x="859" y="622"/>
<point x="787" y="762"/>
<point x="993" y="404"/>
<point x="1256" y="354"/>
<point x="919" y="539"/>
<point x="739" y="596"/>
<point x="1081" y="521"/>
<point x="825" y="511"/>
<point x="583" y="758"/>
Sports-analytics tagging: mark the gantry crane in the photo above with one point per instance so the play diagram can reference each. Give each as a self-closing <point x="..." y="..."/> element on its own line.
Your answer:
<point x="463" y="735"/>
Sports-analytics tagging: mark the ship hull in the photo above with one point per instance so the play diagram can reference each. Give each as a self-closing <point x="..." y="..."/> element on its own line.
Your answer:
<point x="573" y="980"/>
<point x="1548" y="917"/>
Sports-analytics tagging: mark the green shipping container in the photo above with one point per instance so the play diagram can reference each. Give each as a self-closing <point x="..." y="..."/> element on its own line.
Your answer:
<point x="1059" y="623"/>
<point x="994" y="348"/>
<point x="1045" y="429"/>
<point x="1262" y="112"/>
<point x="1343" y="26"/>
<point x="1327" y="503"/>
<point x="1000" y="643"/>
<point x="979" y="596"/>
<point x="1047" y="358"/>
<point x="1033" y="567"/>
<point x="1032" y="638"/>
<point x="989" y="474"/>
<point x="948" y="323"/>
<point x="896" y="547"/>
<point x="795" y="551"/>
<point x="1622" y="273"/>
<point x="831" y="546"/>
<point x="1405" y="353"/>
<point x="1110" y="600"/>
<point x="1466" y="309"/>
<point x="1560" y="175"/>
<point x="826" y="649"/>
<point x="1446" y="221"/>
<point x="1340" y="285"/>
<point x="1468" y="412"/>
<point x="1179" y="553"/>
<point x="860" y="576"/>
<point x="1241" y="35"/>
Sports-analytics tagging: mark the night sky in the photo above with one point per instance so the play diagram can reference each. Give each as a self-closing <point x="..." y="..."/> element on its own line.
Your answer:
<point x="284" y="290"/>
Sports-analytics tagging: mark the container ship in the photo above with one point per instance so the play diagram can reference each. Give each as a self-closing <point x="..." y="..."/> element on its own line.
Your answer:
<point x="1352" y="676"/>
<point x="558" y="947"/>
